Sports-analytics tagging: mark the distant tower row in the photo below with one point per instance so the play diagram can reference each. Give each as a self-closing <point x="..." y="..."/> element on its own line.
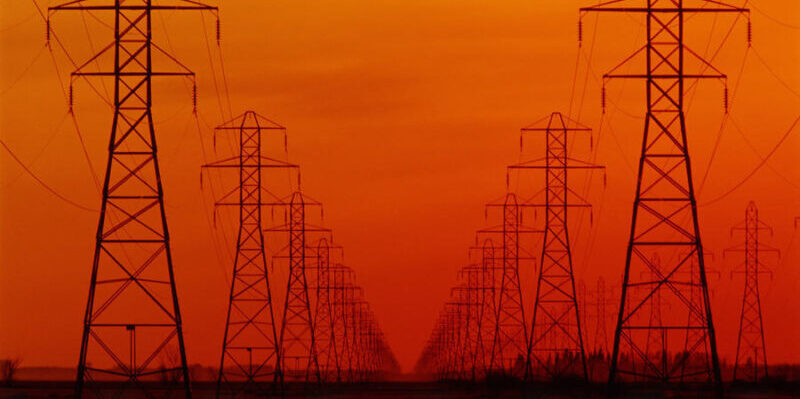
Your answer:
<point x="327" y="332"/>
<point x="482" y="332"/>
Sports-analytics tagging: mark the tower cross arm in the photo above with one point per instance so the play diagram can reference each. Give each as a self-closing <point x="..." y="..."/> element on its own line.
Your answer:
<point x="704" y="6"/>
<point x="266" y="162"/>
<point x="582" y="165"/>
<point x="97" y="6"/>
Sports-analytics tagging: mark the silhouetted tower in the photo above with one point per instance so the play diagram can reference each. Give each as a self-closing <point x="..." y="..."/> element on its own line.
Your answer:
<point x="132" y="330"/>
<point x="487" y="316"/>
<point x="555" y="345"/>
<point x="341" y="288"/>
<point x="298" y="350"/>
<point x="352" y="295"/>
<point x="510" y="338"/>
<point x="596" y="329"/>
<point x="250" y="358"/>
<point x="601" y="331"/>
<point x="324" y="315"/>
<point x="470" y="297"/>
<point x="461" y="306"/>
<point x="664" y="210"/>
<point x="751" y="355"/>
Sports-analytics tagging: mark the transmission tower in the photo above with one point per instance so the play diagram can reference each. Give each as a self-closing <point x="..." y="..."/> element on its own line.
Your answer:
<point x="598" y="361"/>
<point x="297" y="339"/>
<point x="325" y="315"/>
<point x="250" y="354"/>
<point x="510" y="342"/>
<point x="665" y="211"/>
<point x="132" y="330"/>
<point x="601" y="332"/>
<point x="487" y="316"/>
<point x="350" y="300"/>
<point x="469" y="298"/>
<point x="461" y="306"/>
<point x="342" y="287"/>
<point x="751" y="355"/>
<point x="555" y="346"/>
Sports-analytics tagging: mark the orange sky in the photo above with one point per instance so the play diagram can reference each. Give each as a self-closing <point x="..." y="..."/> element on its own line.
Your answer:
<point x="403" y="115"/>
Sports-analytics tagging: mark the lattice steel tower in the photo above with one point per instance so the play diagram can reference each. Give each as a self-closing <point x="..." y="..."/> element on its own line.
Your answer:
<point x="555" y="347"/>
<point x="250" y="360"/>
<point x="600" y="331"/>
<point x="325" y="318"/>
<point x="665" y="217"/>
<point x="751" y="352"/>
<point x="487" y="317"/>
<point x="298" y="349"/>
<point x="132" y="330"/>
<point x="510" y="342"/>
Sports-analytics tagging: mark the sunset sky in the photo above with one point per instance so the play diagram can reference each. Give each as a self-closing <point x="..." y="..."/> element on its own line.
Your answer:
<point x="403" y="116"/>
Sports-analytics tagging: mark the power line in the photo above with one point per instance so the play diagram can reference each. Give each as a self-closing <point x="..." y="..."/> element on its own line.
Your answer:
<point x="41" y="182"/>
<point x="775" y="75"/>
<point x="757" y="168"/>
<point x="755" y="151"/>
<point x="24" y="71"/>
<point x="773" y="19"/>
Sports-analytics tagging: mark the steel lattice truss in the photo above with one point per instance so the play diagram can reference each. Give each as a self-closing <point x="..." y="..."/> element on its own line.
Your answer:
<point x="132" y="330"/>
<point x="751" y="355"/>
<point x="325" y="317"/>
<point x="556" y="342"/>
<point x="297" y="340"/>
<point x="510" y="338"/>
<point x="487" y="312"/>
<point x="665" y="213"/>
<point x="250" y="360"/>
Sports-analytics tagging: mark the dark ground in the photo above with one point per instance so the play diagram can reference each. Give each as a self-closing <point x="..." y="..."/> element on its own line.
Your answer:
<point x="431" y="390"/>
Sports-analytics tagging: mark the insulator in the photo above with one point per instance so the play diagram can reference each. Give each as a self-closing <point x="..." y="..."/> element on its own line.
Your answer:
<point x="219" y="32"/>
<point x="70" y="97"/>
<point x="591" y="142"/>
<point x="47" y="32"/>
<point x="725" y="99"/>
<point x="591" y="217"/>
<point x="520" y="142"/>
<point x="298" y="180"/>
<point x="485" y="216"/>
<point x="194" y="97"/>
<point x="507" y="180"/>
<point x="201" y="180"/>
<point x="605" y="179"/>
<point x="272" y="214"/>
<point x="580" y="32"/>
<point x="749" y="33"/>
<point x="603" y="99"/>
<point x="285" y="143"/>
